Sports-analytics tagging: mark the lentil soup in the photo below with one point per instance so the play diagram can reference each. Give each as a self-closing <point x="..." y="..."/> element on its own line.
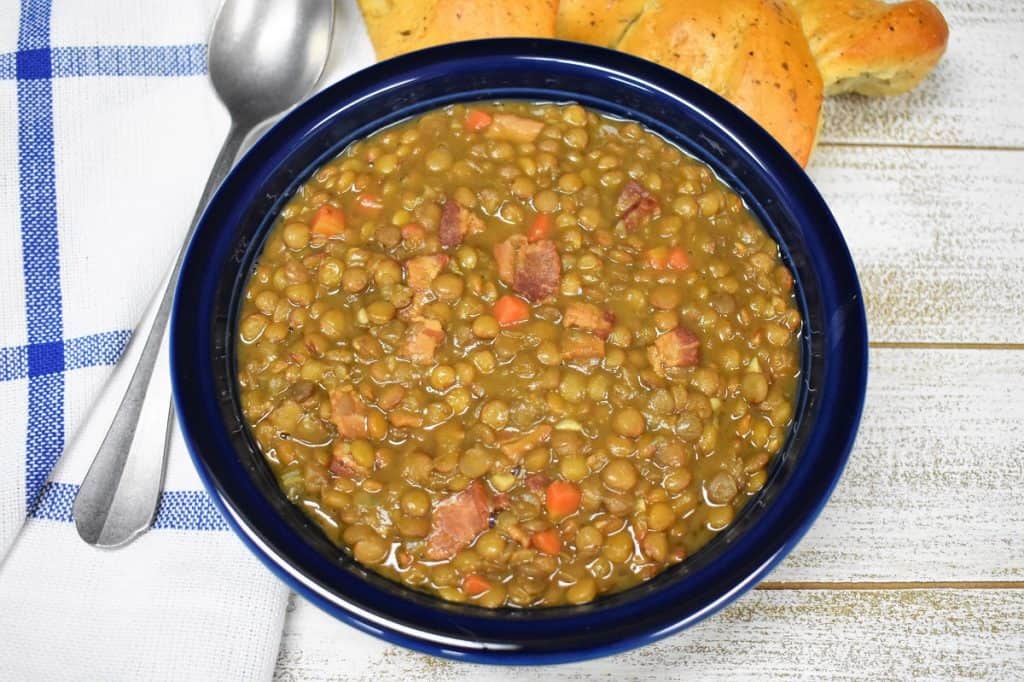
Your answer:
<point x="518" y="354"/>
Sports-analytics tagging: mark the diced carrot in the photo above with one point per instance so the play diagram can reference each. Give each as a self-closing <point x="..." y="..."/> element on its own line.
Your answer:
<point x="656" y="258"/>
<point x="473" y="585"/>
<point x="563" y="498"/>
<point x="477" y="120"/>
<point x="547" y="541"/>
<point x="368" y="201"/>
<point x="328" y="221"/>
<point x="677" y="258"/>
<point x="510" y="310"/>
<point x="540" y="228"/>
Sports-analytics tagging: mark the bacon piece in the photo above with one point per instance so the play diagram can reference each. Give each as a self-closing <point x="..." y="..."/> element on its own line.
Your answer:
<point x="348" y="412"/>
<point x="421" y="341"/>
<point x="516" y="447"/>
<point x="676" y="348"/>
<point x="588" y="316"/>
<point x="538" y="271"/>
<point x="457" y="221"/>
<point x="505" y="254"/>
<point x="537" y="482"/>
<point x="636" y="206"/>
<point x="512" y="128"/>
<point x="579" y="345"/>
<point x="456" y="522"/>
<point x="533" y="270"/>
<point x="345" y="464"/>
<point x="421" y="270"/>
<point x="342" y="466"/>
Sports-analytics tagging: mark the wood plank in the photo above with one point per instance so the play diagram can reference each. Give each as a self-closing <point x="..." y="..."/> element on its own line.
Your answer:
<point x="973" y="98"/>
<point x="785" y="634"/>
<point x="937" y="238"/>
<point x="933" y="489"/>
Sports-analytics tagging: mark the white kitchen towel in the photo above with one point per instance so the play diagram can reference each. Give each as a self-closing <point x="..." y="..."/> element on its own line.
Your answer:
<point x="108" y="129"/>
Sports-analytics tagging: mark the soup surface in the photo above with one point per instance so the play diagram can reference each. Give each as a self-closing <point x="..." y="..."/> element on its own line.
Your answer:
<point x="518" y="354"/>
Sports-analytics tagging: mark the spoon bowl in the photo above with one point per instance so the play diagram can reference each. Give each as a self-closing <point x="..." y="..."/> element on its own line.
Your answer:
<point x="266" y="55"/>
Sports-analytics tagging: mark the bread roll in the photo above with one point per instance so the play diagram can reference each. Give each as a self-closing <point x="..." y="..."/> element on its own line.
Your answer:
<point x="398" y="26"/>
<point x="752" y="52"/>
<point x="871" y="47"/>
<point x="599" y="22"/>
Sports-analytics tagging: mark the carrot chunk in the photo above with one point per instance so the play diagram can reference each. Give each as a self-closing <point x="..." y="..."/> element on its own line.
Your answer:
<point x="510" y="310"/>
<point x="473" y="585"/>
<point x="547" y="541"/>
<point x="328" y="221"/>
<point x="477" y="120"/>
<point x="540" y="228"/>
<point x="563" y="498"/>
<point x="677" y="259"/>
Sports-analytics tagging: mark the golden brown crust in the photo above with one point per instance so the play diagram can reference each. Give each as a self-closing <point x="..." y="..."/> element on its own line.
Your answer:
<point x="752" y="52"/>
<point x="871" y="47"/>
<point x="599" y="22"/>
<point x="399" y="26"/>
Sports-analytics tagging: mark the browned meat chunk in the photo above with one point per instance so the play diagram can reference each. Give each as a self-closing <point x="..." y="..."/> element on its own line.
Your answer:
<point x="505" y="254"/>
<point x="675" y="348"/>
<point x="578" y="345"/>
<point x="533" y="270"/>
<point x="517" y="447"/>
<point x="421" y="270"/>
<point x="539" y="271"/>
<point x="345" y="463"/>
<point x="342" y="466"/>
<point x="348" y="413"/>
<point x="512" y="128"/>
<point x="588" y="316"/>
<point x="456" y="522"/>
<point x="636" y="206"/>
<point x="537" y="482"/>
<point x="421" y="341"/>
<point x="456" y="222"/>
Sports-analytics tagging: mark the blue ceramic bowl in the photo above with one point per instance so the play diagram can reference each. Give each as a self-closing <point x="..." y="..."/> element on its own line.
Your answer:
<point x="229" y="239"/>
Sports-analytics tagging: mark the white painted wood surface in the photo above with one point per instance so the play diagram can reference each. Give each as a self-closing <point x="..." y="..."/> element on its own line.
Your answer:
<point x="938" y="634"/>
<point x="916" y="567"/>
<point x="934" y="489"/>
<point x="936" y="235"/>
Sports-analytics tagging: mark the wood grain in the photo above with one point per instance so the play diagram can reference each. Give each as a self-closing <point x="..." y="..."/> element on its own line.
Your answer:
<point x="785" y="634"/>
<point x="933" y="489"/>
<point x="973" y="98"/>
<point x="936" y="235"/>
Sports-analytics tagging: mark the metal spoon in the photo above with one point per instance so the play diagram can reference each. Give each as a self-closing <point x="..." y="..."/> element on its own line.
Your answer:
<point x="264" y="57"/>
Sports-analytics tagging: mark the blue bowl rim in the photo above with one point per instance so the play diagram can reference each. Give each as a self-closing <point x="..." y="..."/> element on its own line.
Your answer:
<point x="844" y="331"/>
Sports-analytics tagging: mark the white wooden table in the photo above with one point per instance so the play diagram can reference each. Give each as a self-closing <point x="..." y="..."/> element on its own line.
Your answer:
<point x="916" y="567"/>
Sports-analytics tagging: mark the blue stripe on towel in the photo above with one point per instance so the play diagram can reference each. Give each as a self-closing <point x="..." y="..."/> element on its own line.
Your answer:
<point x="37" y="193"/>
<point x="179" y="509"/>
<point x="41" y="63"/>
<point x="95" y="350"/>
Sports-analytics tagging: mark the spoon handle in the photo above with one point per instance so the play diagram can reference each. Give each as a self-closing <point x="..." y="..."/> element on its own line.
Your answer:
<point x="130" y="425"/>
